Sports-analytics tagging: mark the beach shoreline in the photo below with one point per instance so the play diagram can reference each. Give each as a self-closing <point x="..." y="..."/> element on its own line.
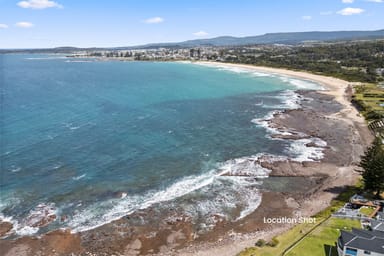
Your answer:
<point x="333" y="171"/>
<point x="340" y="174"/>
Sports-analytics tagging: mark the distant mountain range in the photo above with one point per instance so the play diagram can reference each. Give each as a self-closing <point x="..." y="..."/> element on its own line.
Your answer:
<point x="292" y="38"/>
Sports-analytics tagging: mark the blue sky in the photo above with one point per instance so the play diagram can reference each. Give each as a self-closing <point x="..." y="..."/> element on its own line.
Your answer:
<point x="104" y="23"/>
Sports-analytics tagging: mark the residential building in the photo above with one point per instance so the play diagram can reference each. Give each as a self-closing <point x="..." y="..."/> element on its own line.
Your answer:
<point x="360" y="242"/>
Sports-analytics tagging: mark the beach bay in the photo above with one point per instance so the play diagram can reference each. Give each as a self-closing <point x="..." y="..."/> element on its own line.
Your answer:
<point x="190" y="155"/>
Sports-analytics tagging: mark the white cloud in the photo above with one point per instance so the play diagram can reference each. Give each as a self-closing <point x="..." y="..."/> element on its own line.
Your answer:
<point x="375" y="1"/>
<point x="350" y="11"/>
<point x="39" y="4"/>
<point x="154" y="20"/>
<point x="306" y="17"/>
<point x="200" y="33"/>
<point x="326" y="13"/>
<point x="3" y="26"/>
<point x="347" y="1"/>
<point x="24" y="24"/>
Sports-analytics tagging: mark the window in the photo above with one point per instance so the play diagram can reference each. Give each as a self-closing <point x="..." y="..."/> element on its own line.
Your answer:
<point x="367" y="252"/>
<point x="350" y="252"/>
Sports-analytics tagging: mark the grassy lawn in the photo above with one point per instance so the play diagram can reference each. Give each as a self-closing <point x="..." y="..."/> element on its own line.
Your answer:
<point x="369" y="97"/>
<point x="285" y="240"/>
<point x="366" y="210"/>
<point x="316" y="242"/>
<point x="321" y="241"/>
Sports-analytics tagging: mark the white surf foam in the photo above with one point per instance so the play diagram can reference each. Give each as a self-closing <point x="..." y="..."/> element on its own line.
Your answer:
<point x="304" y="153"/>
<point x="79" y="177"/>
<point x="26" y="230"/>
<point x="41" y="215"/>
<point x="47" y="58"/>
<point x="224" y="196"/>
<point x="289" y="100"/>
<point x="238" y="70"/>
<point x="245" y="166"/>
<point x="108" y="211"/>
<point x="78" y="61"/>
<point x="15" y="169"/>
<point x="264" y="122"/>
<point x="298" y="148"/>
<point x="252" y="199"/>
<point x="298" y="83"/>
<point x="301" y="84"/>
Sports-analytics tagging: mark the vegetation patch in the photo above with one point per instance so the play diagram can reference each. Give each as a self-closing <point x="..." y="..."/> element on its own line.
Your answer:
<point x="313" y="237"/>
<point x="366" y="210"/>
<point x="321" y="242"/>
<point x="358" y="61"/>
<point x="369" y="98"/>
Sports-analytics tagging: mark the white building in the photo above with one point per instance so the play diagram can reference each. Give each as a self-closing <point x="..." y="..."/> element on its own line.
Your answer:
<point x="360" y="242"/>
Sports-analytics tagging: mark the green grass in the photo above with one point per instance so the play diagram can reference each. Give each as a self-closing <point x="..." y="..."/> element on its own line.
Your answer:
<point x="315" y="240"/>
<point x="369" y="97"/>
<point x="322" y="240"/>
<point x="367" y="211"/>
<point x="285" y="240"/>
<point x="316" y="243"/>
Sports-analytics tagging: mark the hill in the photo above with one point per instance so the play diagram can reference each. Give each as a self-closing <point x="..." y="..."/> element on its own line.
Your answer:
<point x="291" y="38"/>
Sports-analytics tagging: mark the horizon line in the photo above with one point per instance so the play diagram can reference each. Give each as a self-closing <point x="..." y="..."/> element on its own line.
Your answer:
<point x="187" y="40"/>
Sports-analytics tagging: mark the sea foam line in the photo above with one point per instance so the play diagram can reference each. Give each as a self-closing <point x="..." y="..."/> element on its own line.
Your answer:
<point x="108" y="211"/>
<point x="297" y="83"/>
<point x="298" y="148"/>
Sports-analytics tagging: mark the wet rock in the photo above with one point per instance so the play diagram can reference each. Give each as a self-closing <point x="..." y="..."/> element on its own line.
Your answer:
<point x="133" y="248"/>
<point x="120" y="194"/>
<point x="311" y="144"/>
<point x="5" y="227"/>
<point x="41" y="216"/>
<point x="64" y="218"/>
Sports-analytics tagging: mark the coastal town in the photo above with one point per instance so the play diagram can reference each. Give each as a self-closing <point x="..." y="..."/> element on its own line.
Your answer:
<point x="160" y="54"/>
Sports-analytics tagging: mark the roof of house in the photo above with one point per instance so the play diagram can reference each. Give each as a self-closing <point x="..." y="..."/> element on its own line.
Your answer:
<point x="363" y="239"/>
<point x="377" y="225"/>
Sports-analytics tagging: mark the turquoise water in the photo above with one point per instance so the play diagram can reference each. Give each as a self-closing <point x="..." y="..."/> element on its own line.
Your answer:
<point x="95" y="140"/>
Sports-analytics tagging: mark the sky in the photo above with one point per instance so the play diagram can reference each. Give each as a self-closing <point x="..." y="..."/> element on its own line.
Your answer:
<point x="110" y="23"/>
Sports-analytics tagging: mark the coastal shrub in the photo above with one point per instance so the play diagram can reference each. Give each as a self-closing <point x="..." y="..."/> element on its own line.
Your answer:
<point x="273" y="243"/>
<point x="372" y="164"/>
<point x="374" y="115"/>
<point x="359" y="104"/>
<point x="260" y="243"/>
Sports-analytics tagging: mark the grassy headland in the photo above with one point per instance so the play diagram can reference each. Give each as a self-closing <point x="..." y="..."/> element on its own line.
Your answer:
<point x="311" y="238"/>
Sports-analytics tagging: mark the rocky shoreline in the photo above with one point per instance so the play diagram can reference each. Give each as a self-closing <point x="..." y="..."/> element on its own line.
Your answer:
<point x="294" y="188"/>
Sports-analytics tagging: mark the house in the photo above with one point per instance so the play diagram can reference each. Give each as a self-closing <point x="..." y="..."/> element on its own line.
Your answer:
<point x="377" y="125"/>
<point x="377" y="225"/>
<point x="380" y="216"/>
<point x="358" y="199"/>
<point x="360" y="242"/>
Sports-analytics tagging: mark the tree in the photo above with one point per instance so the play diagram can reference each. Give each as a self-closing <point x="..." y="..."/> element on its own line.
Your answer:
<point x="372" y="163"/>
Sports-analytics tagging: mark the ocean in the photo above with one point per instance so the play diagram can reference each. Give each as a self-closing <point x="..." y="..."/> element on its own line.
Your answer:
<point x="85" y="142"/>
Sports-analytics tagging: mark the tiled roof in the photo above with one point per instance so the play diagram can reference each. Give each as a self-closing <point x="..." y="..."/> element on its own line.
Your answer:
<point x="363" y="239"/>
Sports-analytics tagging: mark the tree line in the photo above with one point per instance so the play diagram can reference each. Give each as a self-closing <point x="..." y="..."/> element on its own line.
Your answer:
<point x="351" y="61"/>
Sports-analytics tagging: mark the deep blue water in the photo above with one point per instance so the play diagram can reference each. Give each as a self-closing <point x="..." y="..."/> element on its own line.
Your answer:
<point x="75" y="134"/>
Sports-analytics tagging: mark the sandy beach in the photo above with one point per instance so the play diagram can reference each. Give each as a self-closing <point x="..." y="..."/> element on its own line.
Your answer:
<point x="309" y="188"/>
